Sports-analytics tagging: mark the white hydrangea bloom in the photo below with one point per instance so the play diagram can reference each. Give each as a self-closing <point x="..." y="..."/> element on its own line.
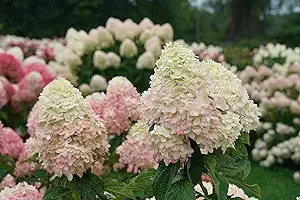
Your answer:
<point x="230" y="95"/>
<point x="123" y="32"/>
<point x="71" y="33"/>
<point x="146" y="61"/>
<point x="203" y="101"/>
<point x="69" y="58"/>
<point x="128" y="48"/>
<point x="145" y="35"/>
<point x="166" y="32"/>
<point x="16" y="52"/>
<point x="146" y="23"/>
<point x="98" y="83"/>
<point x="112" y="24"/>
<point x="104" y="37"/>
<point x="85" y="89"/>
<point x="154" y="47"/>
<point x="33" y="59"/>
<point x="133" y="27"/>
<point x="113" y="60"/>
<point x="99" y="59"/>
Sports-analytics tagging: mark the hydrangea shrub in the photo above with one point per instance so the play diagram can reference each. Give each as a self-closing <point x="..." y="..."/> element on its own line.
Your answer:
<point x="199" y="116"/>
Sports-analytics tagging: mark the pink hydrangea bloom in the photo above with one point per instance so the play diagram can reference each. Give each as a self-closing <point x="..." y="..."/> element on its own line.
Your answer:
<point x="16" y="101"/>
<point x="118" y="108"/>
<point x="8" y="181"/>
<point x="10" y="91"/>
<point x="46" y="53"/>
<point x="47" y="75"/>
<point x="25" y="167"/>
<point x="70" y="137"/>
<point x="30" y="87"/>
<point x="96" y="101"/>
<point x="10" y="67"/>
<point x="136" y="152"/>
<point x="22" y="191"/>
<point x="10" y="143"/>
<point x="97" y="168"/>
<point x="115" y="116"/>
<point x="3" y="95"/>
<point x="122" y="87"/>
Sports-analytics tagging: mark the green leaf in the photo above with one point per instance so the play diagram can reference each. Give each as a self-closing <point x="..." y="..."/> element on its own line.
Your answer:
<point x="196" y="165"/>
<point x="251" y="190"/>
<point x="56" y="193"/>
<point x="7" y="165"/>
<point x="118" y="189"/>
<point x="247" y="170"/>
<point x="220" y="183"/>
<point x="181" y="190"/>
<point x="89" y="186"/>
<point x="163" y="179"/>
<point x="142" y="182"/>
<point x="229" y="165"/>
<point x="41" y="175"/>
<point x="245" y="138"/>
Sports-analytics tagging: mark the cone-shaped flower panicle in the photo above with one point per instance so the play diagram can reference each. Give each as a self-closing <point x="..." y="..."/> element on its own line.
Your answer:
<point x="203" y="101"/>
<point x="70" y="137"/>
<point x="120" y="106"/>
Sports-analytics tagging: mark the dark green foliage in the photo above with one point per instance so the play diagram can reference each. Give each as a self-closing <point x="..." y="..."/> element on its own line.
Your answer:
<point x="138" y="77"/>
<point x="238" y="56"/>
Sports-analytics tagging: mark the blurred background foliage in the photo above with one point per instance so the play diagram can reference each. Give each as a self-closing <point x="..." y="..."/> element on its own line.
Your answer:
<point x="220" y="22"/>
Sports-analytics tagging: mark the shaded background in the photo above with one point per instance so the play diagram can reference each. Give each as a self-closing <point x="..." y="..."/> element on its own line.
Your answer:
<point x="242" y="22"/>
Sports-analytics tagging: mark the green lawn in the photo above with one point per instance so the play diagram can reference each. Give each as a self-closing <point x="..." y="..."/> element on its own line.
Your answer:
<point x="275" y="183"/>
